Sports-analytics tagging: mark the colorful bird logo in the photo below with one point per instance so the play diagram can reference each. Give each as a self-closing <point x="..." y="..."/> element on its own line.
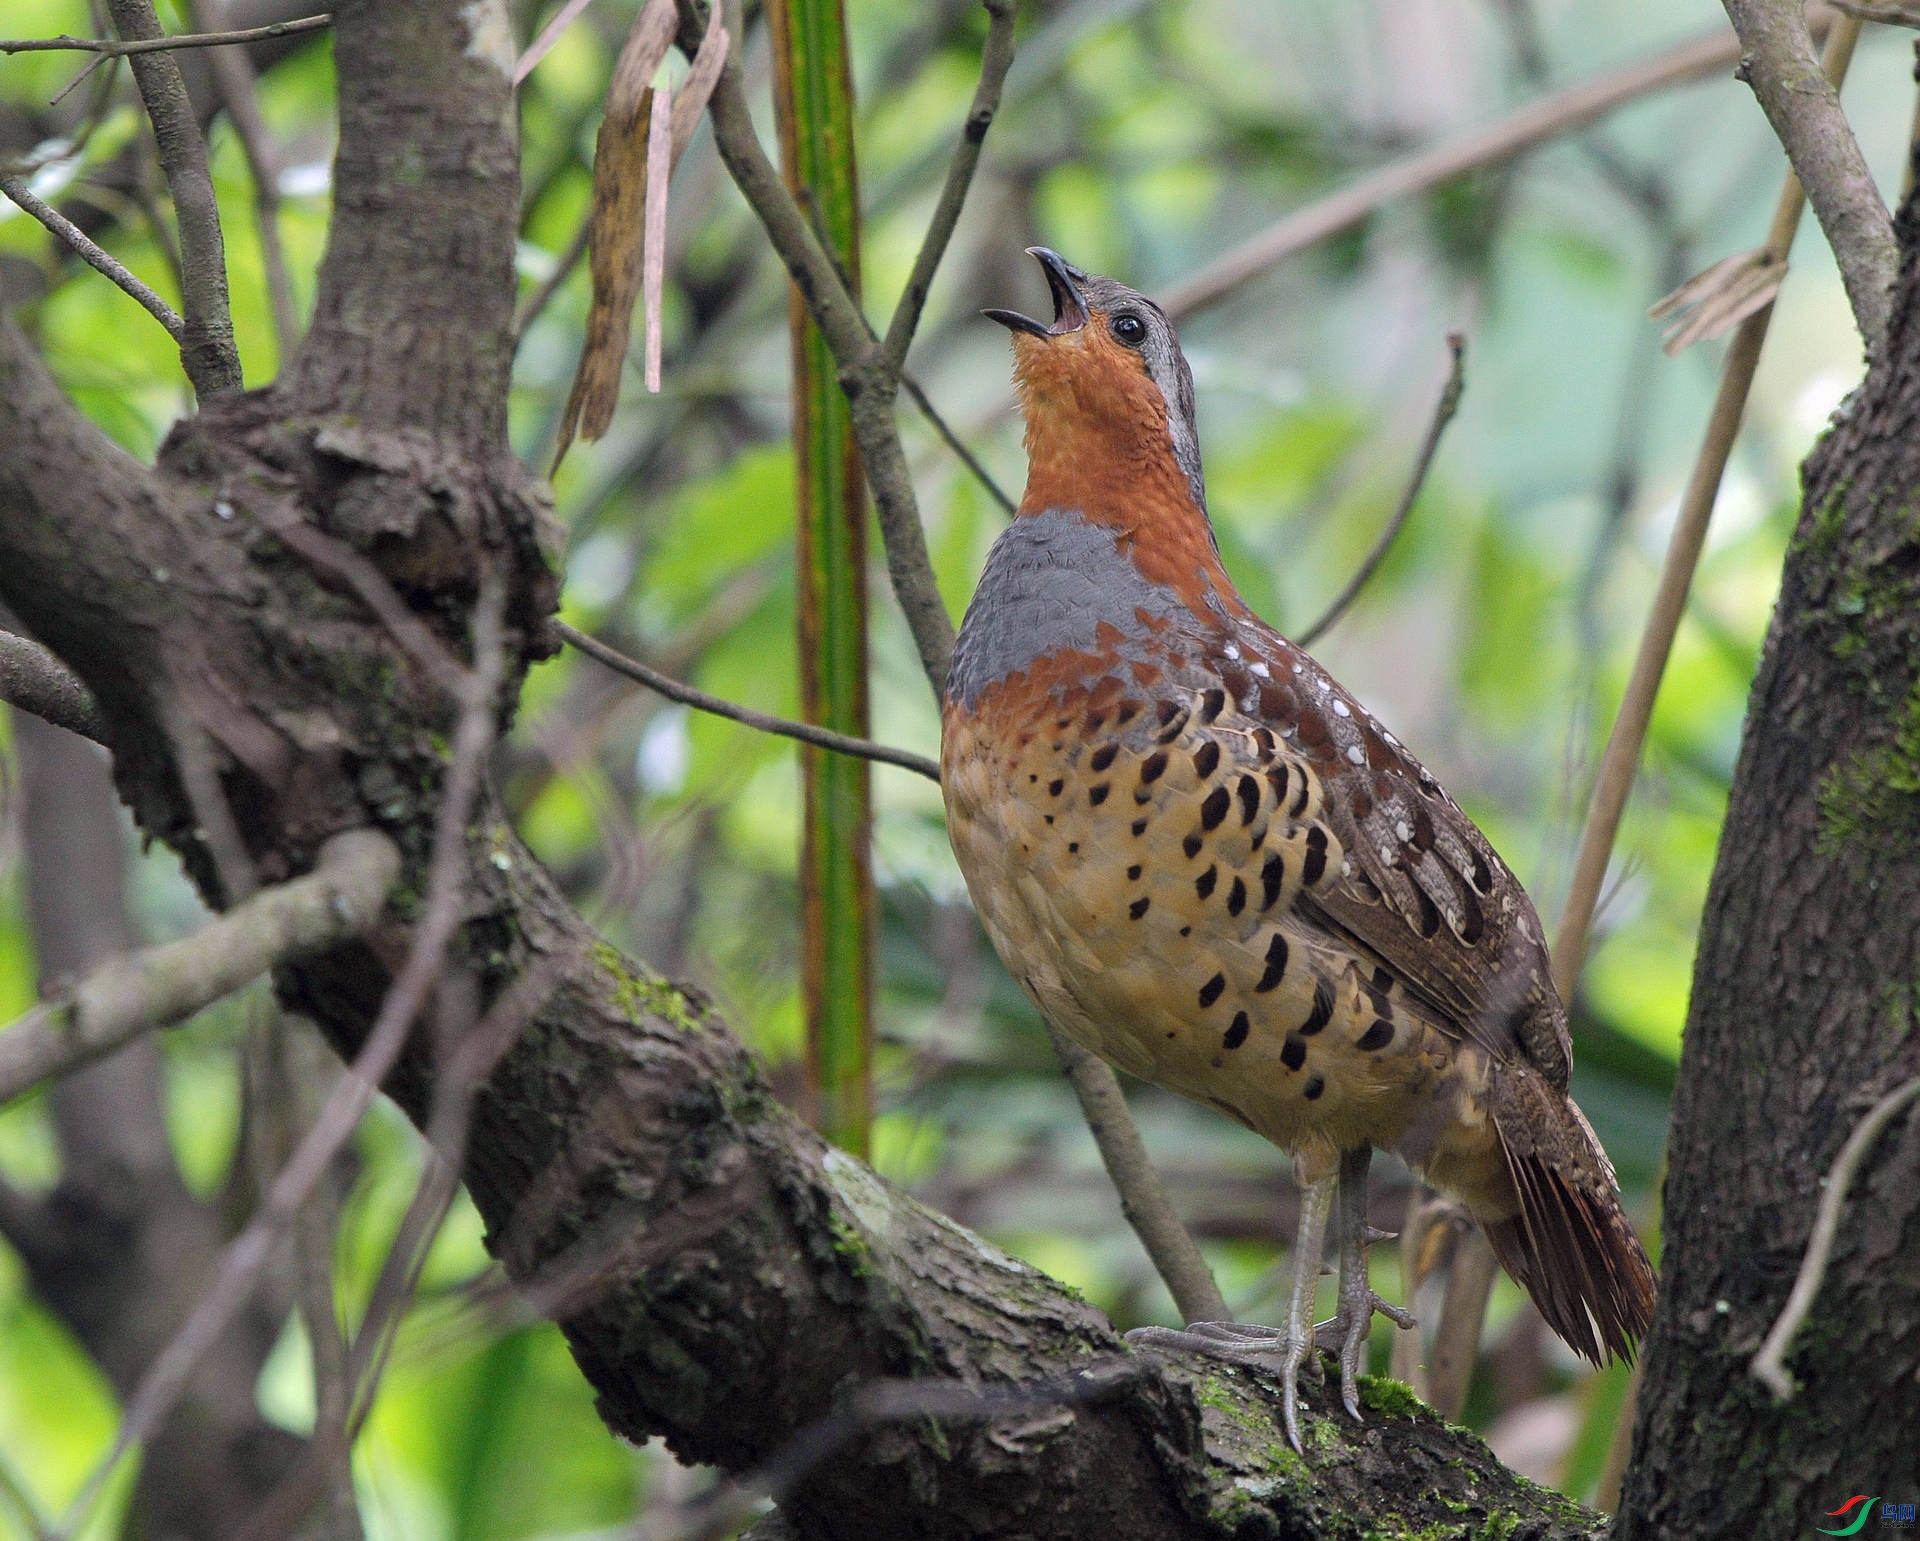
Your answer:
<point x="1859" y="1501"/>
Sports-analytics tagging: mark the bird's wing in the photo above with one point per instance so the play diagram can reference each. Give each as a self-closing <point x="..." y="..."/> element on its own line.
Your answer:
<point x="1418" y="884"/>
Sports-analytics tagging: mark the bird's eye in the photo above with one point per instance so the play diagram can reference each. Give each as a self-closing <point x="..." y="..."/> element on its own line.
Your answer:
<point x="1128" y="328"/>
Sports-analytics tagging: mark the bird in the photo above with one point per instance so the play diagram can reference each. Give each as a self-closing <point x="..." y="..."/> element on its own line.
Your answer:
<point x="1205" y="861"/>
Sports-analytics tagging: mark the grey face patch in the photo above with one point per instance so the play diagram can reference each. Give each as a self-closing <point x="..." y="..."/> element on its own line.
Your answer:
<point x="1051" y="580"/>
<point x="1167" y="366"/>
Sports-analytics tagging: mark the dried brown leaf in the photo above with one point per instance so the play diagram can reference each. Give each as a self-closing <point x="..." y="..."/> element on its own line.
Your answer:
<point x="617" y="225"/>
<point x="1720" y="298"/>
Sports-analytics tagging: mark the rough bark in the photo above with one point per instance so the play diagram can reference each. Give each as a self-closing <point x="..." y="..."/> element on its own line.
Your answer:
<point x="1803" y="1015"/>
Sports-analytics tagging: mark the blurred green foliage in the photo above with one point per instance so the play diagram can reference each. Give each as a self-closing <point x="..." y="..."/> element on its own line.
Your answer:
<point x="1141" y="140"/>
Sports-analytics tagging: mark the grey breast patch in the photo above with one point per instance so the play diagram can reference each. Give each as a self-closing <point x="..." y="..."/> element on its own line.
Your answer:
<point x="1052" y="579"/>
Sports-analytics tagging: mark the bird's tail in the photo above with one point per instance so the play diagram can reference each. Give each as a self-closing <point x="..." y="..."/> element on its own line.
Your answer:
<point x="1570" y="1244"/>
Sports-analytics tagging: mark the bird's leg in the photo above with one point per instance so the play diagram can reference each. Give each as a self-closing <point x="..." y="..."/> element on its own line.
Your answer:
<point x="1282" y="1348"/>
<point x="1346" y="1335"/>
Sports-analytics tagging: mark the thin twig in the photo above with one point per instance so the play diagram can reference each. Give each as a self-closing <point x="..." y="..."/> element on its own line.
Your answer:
<point x="93" y="255"/>
<point x="166" y="984"/>
<point x="1885" y="15"/>
<point x="1443" y="411"/>
<point x="1769" y="1365"/>
<point x="1501" y="141"/>
<point x="995" y="60"/>
<point x="688" y="695"/>
<point x="120" y="48"/>
<point x="954" y="442"/>
<point x="234" y="76"/>
<point x="207" y="352"/>
<point x="1143" y="1197"/>
<point x="1621" y="758"/>
<point x="249" y="1253"/>
<point x="33" y="679"/>
<point x="1803" y="105"/>
<point x="563" y="267"/>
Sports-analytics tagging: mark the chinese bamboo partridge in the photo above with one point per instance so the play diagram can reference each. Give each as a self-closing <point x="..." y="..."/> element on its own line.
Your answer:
<point x="1212" y="866"/>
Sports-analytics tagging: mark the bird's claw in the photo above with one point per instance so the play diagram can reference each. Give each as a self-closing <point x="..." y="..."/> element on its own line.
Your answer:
<point x="1344" y="1335"/>
<point x="1265" y="1348"/>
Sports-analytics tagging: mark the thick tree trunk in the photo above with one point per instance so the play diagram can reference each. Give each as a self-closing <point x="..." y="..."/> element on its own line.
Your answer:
<point x="1804" y="1010"/>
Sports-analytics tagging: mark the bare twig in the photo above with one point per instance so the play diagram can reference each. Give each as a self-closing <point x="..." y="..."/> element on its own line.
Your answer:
<point x="457" y="1081"/>
<point x="119" y="48"/>
<point x="1443" y="411"/>
<point x="166" y="984"/>
<point x="1143" y="1197"/>
<point x="954" y="442"/>
<point x="92" y="254"/>
<point x="995" y="59"/>
<point x="249" y="1252"/>
<point x="563" y="266"/>
<point x="233" y="75"/>
<point x="688" y="695"/>
<point x="34" y="680"/>
<point x="1885" y="15"/>
<point x="1497" y="142"/>
<point x="1456" y="1341"/>
<point x="206" y="346"/>
<point x="1769" y="1365"/>
<point x="870" y="385"/>
<point x="1800" y="101"/>
<point x="1621" y="758"/>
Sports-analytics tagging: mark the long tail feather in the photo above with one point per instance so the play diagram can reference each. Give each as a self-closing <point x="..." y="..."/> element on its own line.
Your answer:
<point x="1571" y="1245"/>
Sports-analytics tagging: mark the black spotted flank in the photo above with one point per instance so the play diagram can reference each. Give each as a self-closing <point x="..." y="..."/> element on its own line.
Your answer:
<point x="1133" y="873"/>
<point x="1277" y="779"/>
<point x="1322" y="1012"/>
<point x="1316" y="1084"/>
<point x="1206" y="759"/>
<point x="1191" y="845"/>
<point x="1055" y="786"/>
<point x="1276" y="964"/>
<point x="1293" y="1051"/>
<point x="1214" y="809"/>
<point x="1315" y="865"/>
<point x="1139" y="827"/>
<point x="1212" y="704"/>
<point x="1203" y="884"/>
<point x="1098" y="795"/>
<point x="1249" y="791"/>
<point x="1237" y="1033"/>
<point x="1103" y="756"/>
<point x="1138" y="907"/>
<point x="1212" y="990"/>
<point x="1375" y="1037"/>
<point x="1153" y="768"/>
<point x="1236" y="897"/>
<point x="1273" y="876"/>
<point x="1173" y="722"/>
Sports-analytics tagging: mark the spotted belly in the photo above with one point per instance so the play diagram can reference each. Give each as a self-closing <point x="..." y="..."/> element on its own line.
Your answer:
<point x="1141" y="875"/>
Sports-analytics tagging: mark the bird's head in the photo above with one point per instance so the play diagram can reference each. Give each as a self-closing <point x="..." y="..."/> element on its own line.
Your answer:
<point x="1107" y="395"/>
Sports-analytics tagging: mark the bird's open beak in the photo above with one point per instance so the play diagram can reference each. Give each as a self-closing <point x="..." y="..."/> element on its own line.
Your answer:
<point x="1069" y="311"/>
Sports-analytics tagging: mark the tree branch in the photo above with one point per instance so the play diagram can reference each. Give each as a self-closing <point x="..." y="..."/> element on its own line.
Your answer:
<point x="700" y="700"/>
<point x="995" y="60"/>
<point x="1545" y="119"/>
<point x="206" y="344"/>
<point x="166" y="984"/>
<point x="94" y="255"/>
<point x="1778" y="61"/>
<point x="34" y="680"/>
<point x="117" y="48"/>
<point x="1443" y="410"/>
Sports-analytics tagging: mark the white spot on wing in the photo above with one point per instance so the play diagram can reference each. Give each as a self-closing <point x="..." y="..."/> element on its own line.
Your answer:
<point x="1355" y="753"/>
<point x="1340" y="708"/>
<point x="1262" y="670"/>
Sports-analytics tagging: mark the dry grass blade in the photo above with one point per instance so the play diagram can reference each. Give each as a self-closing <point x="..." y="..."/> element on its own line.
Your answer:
<point x="617" y="227"/>
<point x="1719" y="298"/>
<point x="541" y="46"/>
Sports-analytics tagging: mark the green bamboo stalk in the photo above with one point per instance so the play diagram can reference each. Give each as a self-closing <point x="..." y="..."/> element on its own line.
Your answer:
<point x="813" y="98"/>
